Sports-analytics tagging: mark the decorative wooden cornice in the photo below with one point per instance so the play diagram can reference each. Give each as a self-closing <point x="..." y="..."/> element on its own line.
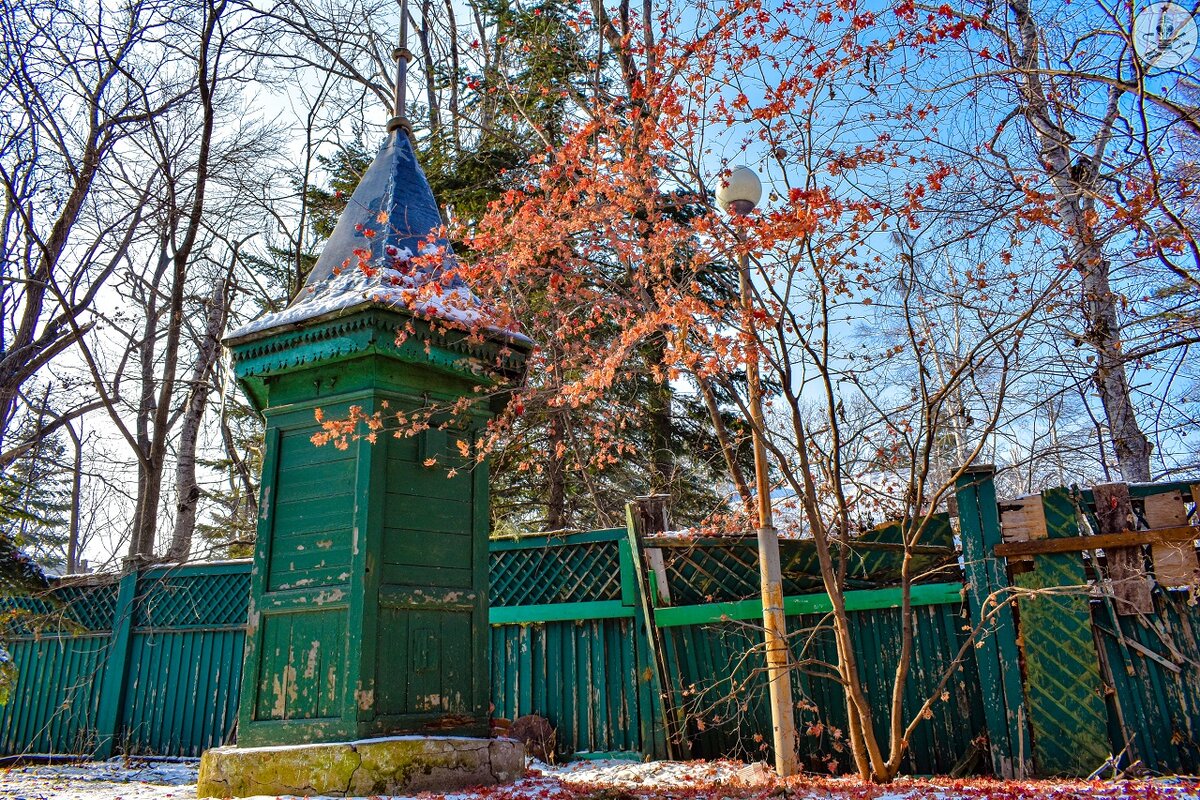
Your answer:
<point x="486" y="357"/>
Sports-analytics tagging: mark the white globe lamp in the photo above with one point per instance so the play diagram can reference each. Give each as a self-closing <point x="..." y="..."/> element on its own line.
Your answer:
<point x="739" y="191"/>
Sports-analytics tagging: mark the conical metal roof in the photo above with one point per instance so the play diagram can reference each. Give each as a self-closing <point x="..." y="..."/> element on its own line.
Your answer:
<point x="393" y="207"/>
<point x="391" y="218"/>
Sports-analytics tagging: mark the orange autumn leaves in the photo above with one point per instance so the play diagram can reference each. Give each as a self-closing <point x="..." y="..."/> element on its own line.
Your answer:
<point x="609" y="240"/>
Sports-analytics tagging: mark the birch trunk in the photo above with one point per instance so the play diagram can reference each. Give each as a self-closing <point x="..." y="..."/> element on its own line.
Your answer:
<point x="187" y="490"/>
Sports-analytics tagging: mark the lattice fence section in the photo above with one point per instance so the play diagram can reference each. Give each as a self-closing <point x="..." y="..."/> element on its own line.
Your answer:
<point x="66" y="610"/>
<point x="189" y="601"/>
<point x="92" y="607"/>
<point x="1063" y="687"/>
<point x="556" y="573"/>
<point x="713" y="571"/>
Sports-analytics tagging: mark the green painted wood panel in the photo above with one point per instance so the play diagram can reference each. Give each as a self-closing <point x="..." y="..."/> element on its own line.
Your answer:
<point x="178" y="698"/>
<point x="434" y="650"/>
<point x="56" y="705"/>
<point x="312" y="512"/>
<point x="719" y="679"/>
<point x="1169" y="736"/>
<point x="580" y="674"/>
<point x="310" y="651"/>
<point x="1063" y="690"/>
<point x="179" y="690"/>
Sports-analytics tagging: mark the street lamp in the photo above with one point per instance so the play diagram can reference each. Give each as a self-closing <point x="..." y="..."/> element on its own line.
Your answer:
<point x="738" y="194"/>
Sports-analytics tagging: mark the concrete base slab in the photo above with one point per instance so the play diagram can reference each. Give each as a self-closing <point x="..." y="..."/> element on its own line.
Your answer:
<point x="363" y="768"/>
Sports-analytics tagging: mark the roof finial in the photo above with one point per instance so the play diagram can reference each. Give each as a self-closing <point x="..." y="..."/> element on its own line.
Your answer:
<point x="402" y="55"/>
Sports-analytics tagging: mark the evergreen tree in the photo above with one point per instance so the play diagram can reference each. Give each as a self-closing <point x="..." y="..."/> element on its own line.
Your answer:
<point x="326" y="203"/>
<point x="35" y="502"/>
<point x="520" y="105"/>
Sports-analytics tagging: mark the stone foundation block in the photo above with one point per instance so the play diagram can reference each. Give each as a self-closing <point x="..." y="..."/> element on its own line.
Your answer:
<point x="363" y="768"/>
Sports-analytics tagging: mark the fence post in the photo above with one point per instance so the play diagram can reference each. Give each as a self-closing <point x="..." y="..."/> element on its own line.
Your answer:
<point x="646" y="515"/>
<point x="112" y="690"/>
<point x="996" y="654"/>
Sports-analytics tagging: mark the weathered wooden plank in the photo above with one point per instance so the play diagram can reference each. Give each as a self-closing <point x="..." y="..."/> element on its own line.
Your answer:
<point x="661" y="585"/>
<point x="1022" y="519"/>
<point x="1175" y="564"/>
<point x="987" y="591"/>
<point x="1126" y="565"/>
<point x="1099" y="541"/>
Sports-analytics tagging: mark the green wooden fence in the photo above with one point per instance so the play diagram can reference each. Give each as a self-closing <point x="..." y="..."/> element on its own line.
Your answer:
<point x="1067" y="681"/>
<point x="646" y="645"/>
<point x="150" y="663"/>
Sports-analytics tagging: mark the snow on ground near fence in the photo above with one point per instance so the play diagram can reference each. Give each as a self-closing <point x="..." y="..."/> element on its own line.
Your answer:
<point x="595" y="780"/>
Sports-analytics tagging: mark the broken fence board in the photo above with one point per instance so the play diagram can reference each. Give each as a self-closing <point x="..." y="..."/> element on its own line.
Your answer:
<point x="1175" y="564"/>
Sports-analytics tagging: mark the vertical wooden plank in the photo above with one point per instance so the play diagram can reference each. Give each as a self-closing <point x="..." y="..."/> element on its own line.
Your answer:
<point x="542" y="676"/>
<point x="658" y="568"/>
<point x="601" y="701"/>
<point x="1175" y="565"/>
<point x="987" y="597"/>
<point x="629" y="677"/>
<point x="1126" y="565"/>
<point x="625" y="563"/>
<point x="208" y="711"/>
<point x="249" y="700"/>
<point x="361" y="690"/>
<point x="112" y="697"/>
<point x="647" y="515"/>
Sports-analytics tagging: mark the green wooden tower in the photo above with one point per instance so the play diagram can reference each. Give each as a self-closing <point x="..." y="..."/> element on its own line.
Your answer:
<point x="369" y="599"/>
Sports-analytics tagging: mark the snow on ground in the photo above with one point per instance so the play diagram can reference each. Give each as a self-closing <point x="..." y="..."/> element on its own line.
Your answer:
<point x="595" y="780"/>
<point x="146" y="780"/>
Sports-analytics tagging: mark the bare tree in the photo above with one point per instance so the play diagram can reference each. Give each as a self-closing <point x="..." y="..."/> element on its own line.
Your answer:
<point x="75" y="85"/>
<point x="1069" y="116"/>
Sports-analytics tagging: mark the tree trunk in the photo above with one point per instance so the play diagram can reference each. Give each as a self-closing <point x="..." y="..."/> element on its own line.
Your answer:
<point x="1074" y="184"/>
<point x="76" y="487"/>
<point x="187" y="490"/>
<point x="556" y="495"/>
<point x="1103" y="333"/>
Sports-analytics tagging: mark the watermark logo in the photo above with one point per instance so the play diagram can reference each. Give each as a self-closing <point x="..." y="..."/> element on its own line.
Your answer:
<point x="1164" y="35"/>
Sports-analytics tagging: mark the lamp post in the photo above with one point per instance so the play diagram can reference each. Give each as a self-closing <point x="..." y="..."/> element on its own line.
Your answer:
<point x="738" y="194"/>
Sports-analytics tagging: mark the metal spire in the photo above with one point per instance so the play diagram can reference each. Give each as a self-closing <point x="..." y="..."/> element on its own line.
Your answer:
<point x="402" y="55"/>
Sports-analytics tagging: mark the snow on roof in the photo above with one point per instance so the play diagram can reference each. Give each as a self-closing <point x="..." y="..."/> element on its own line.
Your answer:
<point x="396" y="281"/>
<point x="369" y="260"/>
